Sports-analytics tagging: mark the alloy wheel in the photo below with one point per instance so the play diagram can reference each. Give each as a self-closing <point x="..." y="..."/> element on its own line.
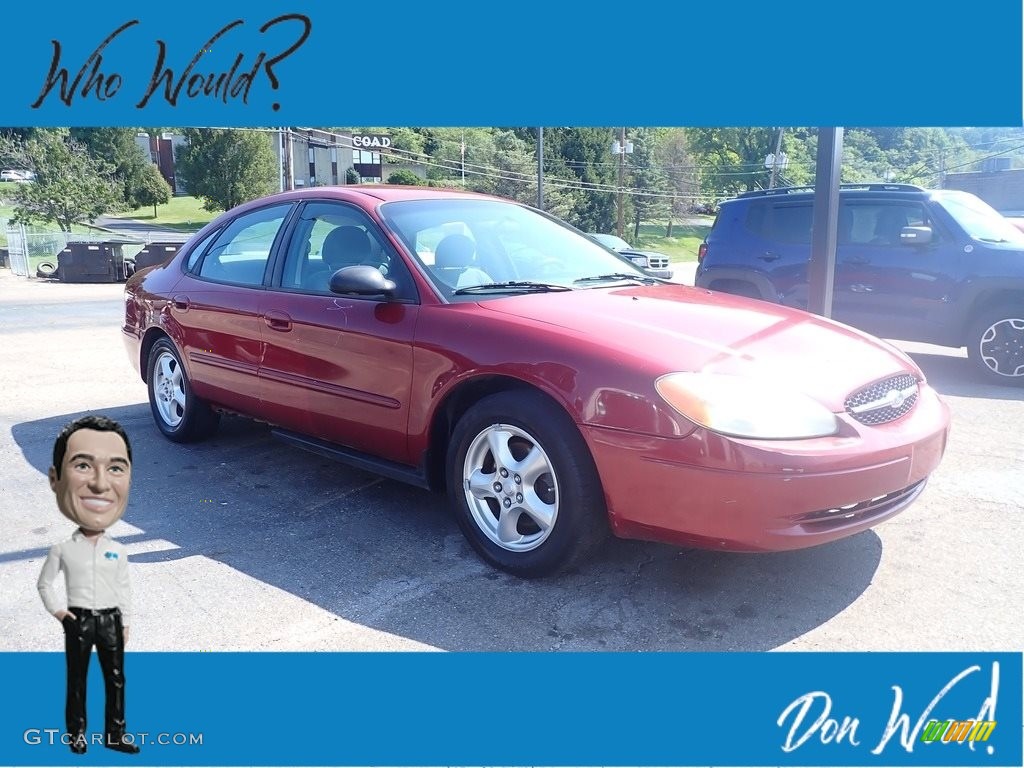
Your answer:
<point x="511" y="488"/>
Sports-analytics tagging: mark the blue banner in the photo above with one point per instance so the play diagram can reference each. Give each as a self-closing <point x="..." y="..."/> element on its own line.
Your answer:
<point x="728" y="709"/>
<point x="461" y="62"/>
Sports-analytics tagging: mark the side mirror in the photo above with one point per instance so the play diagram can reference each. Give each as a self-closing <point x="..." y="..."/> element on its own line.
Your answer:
<point x="915" y="235"/>
<point x="361" y="280"/>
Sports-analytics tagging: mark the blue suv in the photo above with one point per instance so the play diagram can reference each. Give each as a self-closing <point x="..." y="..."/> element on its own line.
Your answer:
<point x="936" y="266"/>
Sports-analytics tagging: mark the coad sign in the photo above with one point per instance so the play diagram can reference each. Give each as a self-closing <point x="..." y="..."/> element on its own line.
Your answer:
<point x="371" y="142"/>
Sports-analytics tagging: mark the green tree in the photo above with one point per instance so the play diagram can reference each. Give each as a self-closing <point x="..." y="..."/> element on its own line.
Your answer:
<point x="510" y="171"/>
<point x="152" y="188"/>
<point x="652" y="196"/>
<point x="351" y="175"/>
<point x="672" y="153"/>
<point x="583" y="155"/>
<point x="406" y="177"/>
<point x="120" y="151"/>
<point x="70" y="187"/>
<point x="732" y="158"/>
<point x="225" y="167"/>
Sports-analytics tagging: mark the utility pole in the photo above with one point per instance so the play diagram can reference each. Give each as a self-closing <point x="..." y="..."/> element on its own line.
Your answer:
<point x="462" y="149"/>
<point x="776" y="161"/>
<point x="288" y="164"/>
<point x="280" y="159"/>
<point x="622" y="173"/>
<point x="540" y="168"/>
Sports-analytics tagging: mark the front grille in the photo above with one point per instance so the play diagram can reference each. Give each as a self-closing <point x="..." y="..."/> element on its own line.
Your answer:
<point x="883" y="401"/>
<point x="825" y="519"/>
<point x="655" y="262"/>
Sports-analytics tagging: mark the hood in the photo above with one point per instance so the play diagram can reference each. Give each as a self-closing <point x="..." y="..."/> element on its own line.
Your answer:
<point x="678" y="328"/>
<point x="638" y="252"/>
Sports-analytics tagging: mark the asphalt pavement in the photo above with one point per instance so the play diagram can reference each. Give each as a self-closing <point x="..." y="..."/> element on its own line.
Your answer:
<point x="242" y="543"/>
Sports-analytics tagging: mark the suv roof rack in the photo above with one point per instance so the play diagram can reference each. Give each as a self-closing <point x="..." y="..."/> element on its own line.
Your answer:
<point x="865" y="186"/>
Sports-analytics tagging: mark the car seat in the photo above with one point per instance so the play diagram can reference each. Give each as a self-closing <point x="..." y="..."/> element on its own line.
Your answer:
<point x="455" y="265"/>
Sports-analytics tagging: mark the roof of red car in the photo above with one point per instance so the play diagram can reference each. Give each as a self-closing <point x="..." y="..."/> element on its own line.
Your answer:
<point x="382" y="192"/>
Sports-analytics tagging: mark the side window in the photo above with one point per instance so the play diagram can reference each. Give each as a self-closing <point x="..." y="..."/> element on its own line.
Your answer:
<point x="330" y="236"/>
<point x="878" y="223"/>
<point x="240" y="253"/>
<point x="791" y="224"/>
<point x="781" y="222"/>
<point x="197" y="252"/>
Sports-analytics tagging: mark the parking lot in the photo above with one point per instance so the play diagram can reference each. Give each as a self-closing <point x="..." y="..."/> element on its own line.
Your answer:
<point x="243" y="543"/>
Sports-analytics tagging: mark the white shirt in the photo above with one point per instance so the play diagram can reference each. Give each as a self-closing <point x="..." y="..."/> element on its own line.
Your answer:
<point x="95" y="575"/>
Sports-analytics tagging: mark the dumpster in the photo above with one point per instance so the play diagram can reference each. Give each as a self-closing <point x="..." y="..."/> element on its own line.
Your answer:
<point x="153" y="253"/>
<point x="91" y="263"/>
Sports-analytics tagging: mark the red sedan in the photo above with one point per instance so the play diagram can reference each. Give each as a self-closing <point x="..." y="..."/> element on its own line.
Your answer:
<point x="554" y="390"/>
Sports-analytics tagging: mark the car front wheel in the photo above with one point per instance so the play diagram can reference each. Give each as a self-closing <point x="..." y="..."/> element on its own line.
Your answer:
<point x="523" y="485"/>
<point x="996" y="345"/>
<point x="179" y="414"/>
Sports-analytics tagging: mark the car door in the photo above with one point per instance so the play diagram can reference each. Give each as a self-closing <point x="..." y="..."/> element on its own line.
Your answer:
<point x="780" y="247"/>
<point x="216" y="307"/>
<point x="338" y="368"/>
<point x="884" y="285"/>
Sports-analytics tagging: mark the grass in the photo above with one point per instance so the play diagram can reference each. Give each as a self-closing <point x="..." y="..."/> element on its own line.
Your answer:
<point x="184" y="214"/>
<point x="7" y="211"/>
<point x="683" y="244"/>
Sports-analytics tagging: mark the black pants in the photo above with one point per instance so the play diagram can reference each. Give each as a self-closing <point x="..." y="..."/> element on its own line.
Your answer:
<point x="104" y="630"/>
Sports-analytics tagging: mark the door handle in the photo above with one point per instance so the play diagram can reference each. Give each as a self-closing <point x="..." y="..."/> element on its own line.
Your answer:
<point x="278" y="321"/>
<point x="180" y="302"/>
<point x="857" y="260"/>
<point x="861" y="288"/>
<point x="769" y="256"/>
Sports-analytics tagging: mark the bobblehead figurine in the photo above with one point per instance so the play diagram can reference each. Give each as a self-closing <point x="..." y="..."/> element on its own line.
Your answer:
<point x="91" y="476"/>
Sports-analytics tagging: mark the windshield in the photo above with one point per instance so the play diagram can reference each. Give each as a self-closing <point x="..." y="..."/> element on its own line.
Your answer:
<point x="613" y="242"/>
<point x="463" y="243"/>
<point x="979" y="220"/>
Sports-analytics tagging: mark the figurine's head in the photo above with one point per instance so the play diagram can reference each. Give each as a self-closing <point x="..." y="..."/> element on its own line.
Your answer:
<point x="92" y="472"/>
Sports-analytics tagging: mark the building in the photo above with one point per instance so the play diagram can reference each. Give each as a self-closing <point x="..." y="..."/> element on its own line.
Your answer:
<point x="306" y="157"/>
<point x="1002" y="189"/>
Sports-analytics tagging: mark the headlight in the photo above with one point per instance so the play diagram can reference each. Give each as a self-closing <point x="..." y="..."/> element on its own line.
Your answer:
<point x="640" y="261"/>
<point x="743" y="407"/>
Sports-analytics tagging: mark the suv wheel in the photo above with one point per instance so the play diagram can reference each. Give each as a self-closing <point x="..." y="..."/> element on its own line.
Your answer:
<point x="995" y="342"/>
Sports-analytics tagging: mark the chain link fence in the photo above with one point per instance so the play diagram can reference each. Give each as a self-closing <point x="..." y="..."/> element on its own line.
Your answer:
<point x="33" y="253"/>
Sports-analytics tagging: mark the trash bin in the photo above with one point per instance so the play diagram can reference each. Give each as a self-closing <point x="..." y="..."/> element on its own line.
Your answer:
<point x="156" y="253"/>
<point x="91" y="263"/>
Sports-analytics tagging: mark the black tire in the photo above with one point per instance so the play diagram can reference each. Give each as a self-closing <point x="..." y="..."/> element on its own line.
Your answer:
<point x="995" y="344"/>
<point x="46" y="269"/>
<point x="563" y="487"/>
<point x="179" y="414"/>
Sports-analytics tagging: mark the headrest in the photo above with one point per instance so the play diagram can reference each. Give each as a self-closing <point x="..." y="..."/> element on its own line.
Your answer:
<point x="455" y="251"/>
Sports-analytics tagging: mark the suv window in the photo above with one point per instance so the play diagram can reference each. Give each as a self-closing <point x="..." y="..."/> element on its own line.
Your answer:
<point x="781" y="222"/>
<point x="870" y="222"/>
<point x="241" y="253"/>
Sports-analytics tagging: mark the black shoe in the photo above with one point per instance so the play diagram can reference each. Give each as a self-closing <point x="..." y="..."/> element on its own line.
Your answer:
<point x="118" y="744"/>
<point x="78" y="743"/>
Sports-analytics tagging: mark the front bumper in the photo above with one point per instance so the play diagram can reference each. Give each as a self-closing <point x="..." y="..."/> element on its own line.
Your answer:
<point x="715" y="492"/>
<point x="664" y="274"/>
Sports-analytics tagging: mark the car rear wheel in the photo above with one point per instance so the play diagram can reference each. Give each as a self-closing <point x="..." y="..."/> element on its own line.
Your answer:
<point x="523" y="485"/>
<point x="179" y="414"/>
<point x="995" y="343"/>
